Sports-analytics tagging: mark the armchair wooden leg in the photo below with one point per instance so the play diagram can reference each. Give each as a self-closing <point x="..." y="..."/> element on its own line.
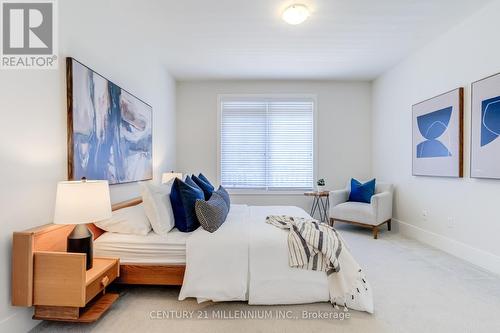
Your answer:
<point x="375" y="232"/>
<point x="332" y="221"/>
<point x="389" y="225"/>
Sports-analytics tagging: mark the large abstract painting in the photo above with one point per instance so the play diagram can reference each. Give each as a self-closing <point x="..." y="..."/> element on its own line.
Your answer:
<point x="438" y="136"/>
<point x="109" y="129"/>
<point x="485" y="140"/>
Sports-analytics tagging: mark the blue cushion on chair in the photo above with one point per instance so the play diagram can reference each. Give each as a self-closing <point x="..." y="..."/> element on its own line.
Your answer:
<point x="183" y="197"/>
<point x="206" y="187"/>
<point x="362" y="192"/>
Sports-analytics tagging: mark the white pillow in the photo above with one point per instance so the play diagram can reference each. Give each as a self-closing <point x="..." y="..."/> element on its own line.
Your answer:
<point x="156" y="199"/>
<point x="130" y="220"/>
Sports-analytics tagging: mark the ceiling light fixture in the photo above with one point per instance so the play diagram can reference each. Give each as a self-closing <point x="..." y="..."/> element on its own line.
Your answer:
<point x="295" y="14"/>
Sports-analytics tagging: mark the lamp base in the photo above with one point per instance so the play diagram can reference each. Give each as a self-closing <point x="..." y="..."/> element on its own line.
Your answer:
<point x="80" y="240"/>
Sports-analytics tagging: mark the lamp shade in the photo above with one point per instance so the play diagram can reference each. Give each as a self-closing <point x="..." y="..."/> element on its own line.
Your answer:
<point x="168" y="176"/>
<point x="79" y="202"/>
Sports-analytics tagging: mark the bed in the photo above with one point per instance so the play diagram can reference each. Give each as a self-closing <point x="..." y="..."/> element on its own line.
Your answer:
<point x="245" y="260"/>
<point x="169" y="249"/>
<point x="156" y="271"/>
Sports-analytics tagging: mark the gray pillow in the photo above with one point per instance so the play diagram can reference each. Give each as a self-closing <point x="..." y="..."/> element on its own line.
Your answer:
<point x="223" y="193"/>
<point x="211" y="213"/>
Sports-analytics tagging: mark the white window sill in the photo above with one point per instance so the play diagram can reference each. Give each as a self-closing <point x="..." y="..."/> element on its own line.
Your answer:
<point x="243" y="192"/>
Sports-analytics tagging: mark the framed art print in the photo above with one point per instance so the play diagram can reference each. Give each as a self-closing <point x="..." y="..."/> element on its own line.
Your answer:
<point x="109" y="129"/>
<point x="485" y="128"/>
<point x="437" y="127"/>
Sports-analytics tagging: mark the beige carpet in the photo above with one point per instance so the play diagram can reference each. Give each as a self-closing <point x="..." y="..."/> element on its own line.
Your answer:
<point x="416" y="289"/>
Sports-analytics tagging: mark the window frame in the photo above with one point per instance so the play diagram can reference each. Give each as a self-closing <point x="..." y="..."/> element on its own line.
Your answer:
<point x="263" y="97"/>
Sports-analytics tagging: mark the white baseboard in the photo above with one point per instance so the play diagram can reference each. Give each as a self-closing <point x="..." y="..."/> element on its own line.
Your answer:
<point x="478" y="257"/>
<point x="19" y="321"/>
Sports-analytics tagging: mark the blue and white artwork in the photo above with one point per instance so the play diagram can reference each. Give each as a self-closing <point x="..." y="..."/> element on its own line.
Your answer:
<point x="432" y="126"/>
<point x="490" y="120"/>
<point x="110" y="129"/>
<point x="485" y="141"/>
<point x="437" y="123"/>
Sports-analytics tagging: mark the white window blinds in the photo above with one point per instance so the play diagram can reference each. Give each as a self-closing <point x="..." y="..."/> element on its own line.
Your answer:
<point x="267" y="143"/>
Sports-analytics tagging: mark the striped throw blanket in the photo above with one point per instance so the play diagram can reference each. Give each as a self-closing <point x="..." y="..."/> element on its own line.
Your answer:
<point x="311" y="245"/>
<point x="317" y="246"/>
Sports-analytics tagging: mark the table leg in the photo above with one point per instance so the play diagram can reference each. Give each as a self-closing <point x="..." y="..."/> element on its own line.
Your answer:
<point x="327" y="209"/>
<point x="320" y="204"/>
<point x="324" y="204"/>
<point x="313" y="208"/>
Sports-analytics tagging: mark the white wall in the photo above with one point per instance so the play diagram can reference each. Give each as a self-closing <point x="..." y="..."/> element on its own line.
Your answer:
<point x="344" y="129"/>
<point x="33" y="114"/>
<point x="466" y="53"/>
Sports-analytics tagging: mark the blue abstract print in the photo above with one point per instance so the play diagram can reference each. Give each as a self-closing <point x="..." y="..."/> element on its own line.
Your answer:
<point x="112" y="130"/>
<point x="490" y="120"/>
<point x="432" y="126"/>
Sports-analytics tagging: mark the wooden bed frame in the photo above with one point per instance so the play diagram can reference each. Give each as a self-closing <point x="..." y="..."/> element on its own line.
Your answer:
<point x="52" y="237"/>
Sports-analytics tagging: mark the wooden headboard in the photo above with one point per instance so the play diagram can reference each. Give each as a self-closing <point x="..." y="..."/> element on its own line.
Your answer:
<point x="48" y="237"/>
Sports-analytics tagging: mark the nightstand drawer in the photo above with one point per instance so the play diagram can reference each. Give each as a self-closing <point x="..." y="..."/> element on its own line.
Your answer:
<point x="61" y="279"/>
<point x="109" y="271"/>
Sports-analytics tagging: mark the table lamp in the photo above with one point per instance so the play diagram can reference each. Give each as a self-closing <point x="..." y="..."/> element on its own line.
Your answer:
<point x="168" y="176"/>
<point x="82" y="202"/>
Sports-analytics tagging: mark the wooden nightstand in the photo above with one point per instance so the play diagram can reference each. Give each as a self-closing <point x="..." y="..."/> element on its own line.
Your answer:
<point x="64" y="290"/>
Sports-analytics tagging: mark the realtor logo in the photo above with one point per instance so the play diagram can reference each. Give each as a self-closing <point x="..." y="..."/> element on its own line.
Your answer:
<point x="28" y="34"/>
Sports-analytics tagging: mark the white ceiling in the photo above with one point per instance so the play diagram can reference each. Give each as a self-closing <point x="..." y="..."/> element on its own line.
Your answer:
<point x="246" y="39"/>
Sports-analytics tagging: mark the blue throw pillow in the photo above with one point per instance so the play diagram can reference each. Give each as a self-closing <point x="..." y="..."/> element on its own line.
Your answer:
<point x="205" y="179"/>
<point x="183" y="198"/>
<point x="207" y="188"/>
<point x="362" y="192"/>
<point x="188" y="180"/>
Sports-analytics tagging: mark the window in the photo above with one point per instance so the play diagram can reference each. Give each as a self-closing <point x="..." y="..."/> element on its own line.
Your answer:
<point x="267" y="143"/>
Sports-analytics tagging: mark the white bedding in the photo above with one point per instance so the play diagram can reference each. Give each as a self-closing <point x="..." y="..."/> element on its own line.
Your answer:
<point x="217" y="263"/>
<point x="168" y="249"/>
<point x="272" y="277"/>
<point x="247" y="259"/>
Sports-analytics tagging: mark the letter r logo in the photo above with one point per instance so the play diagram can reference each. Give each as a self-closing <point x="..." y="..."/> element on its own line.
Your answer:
<point x="27" y="28"/>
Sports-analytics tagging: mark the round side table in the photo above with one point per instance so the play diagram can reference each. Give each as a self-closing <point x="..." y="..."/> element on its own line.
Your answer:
<point x="321" y="204"/>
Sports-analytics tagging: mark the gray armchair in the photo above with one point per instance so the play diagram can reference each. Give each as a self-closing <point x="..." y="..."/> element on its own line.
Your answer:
<point x="370" y="215"/>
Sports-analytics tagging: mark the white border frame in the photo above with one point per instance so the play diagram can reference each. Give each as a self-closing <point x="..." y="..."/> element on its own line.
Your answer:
<point x="435" y="103"/>
<point x="313" y="97"/>
<point x="474" y="130"/>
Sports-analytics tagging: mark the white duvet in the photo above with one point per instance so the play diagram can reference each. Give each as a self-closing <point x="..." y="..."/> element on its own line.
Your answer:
<point x="247" y="259"/>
